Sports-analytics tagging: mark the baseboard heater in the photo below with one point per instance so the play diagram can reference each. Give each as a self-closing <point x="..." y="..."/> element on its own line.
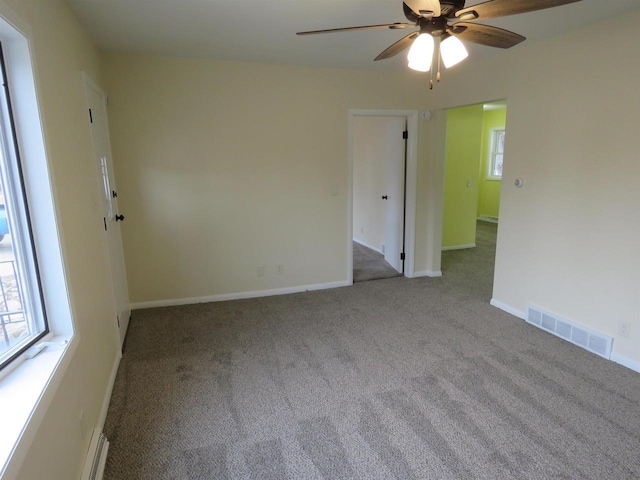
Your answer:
<point x="583" y="337"/>
<point x="96" y="457"/>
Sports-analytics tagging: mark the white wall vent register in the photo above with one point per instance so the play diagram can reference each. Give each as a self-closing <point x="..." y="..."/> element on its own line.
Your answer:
<point x="96" y="457"/>
<point x="583" y="337"/>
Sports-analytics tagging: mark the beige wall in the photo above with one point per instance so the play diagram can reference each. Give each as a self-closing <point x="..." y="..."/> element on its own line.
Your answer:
<point x="227" y="166"/>
<point x="61" y="51"/>
<point x="568" y="239"/>
<point x="224" y="167"/>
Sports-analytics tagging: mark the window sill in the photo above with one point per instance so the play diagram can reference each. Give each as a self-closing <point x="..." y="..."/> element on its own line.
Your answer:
<point x="25" y="394"/>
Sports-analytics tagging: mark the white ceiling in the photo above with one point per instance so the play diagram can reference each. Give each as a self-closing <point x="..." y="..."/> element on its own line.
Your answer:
<point x="264" y="31"/>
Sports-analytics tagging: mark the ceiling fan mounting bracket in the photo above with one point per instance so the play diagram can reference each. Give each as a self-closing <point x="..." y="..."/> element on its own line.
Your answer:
<point x="433" y="26"/>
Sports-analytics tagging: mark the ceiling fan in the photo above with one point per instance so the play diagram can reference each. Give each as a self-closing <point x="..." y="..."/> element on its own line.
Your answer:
<point x="449" y="22"/>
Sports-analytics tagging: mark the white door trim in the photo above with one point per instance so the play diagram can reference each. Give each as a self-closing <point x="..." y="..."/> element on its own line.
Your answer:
<point x="411" y="186"/>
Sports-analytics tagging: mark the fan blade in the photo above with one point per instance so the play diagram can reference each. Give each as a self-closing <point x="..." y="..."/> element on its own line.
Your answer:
<point x="424" y="8"/>
<point x="411" y="16"/>
<point x="392" y="26"/>
<point x="397" y="47"/>
<point x="485" y="35"/>
<point x="502" y="8"/>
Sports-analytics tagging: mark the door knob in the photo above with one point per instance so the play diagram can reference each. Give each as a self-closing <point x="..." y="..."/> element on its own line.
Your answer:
<point x="384" y="197"/>
<point x="119" y="218"/>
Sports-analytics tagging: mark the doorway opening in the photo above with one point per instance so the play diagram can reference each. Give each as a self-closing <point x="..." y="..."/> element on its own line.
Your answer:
<point x="382" y="197"/>
<point x="475" y="154"/>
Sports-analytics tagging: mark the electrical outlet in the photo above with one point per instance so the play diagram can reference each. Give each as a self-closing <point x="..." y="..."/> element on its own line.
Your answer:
<point x="279" y="269"/>
<point x="624" y="329"/>
<point x="261" y="271"/>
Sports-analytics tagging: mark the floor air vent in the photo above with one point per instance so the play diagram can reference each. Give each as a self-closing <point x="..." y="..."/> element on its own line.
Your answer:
<point x="96" y="457"/>
<point x="583" y="337"/>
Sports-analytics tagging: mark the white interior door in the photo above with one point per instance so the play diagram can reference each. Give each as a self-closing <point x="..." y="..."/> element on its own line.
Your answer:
<point x="394" y="151"/>
<point x="112" y="216"/>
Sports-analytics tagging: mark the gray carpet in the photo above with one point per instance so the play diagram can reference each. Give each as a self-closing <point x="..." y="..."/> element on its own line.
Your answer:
<point x="370" y="265"/>
<point x="399" y="378"/>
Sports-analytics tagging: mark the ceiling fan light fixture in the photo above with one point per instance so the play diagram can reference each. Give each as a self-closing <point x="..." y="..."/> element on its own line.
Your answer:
<point x="421" y="53"/>
<point x="452" y="51"/>
<point x="422" y="66"/>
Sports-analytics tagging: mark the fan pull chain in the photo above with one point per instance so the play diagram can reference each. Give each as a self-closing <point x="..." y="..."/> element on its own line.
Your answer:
<point x="439" y="61"/>
<point x="431" y="76"/>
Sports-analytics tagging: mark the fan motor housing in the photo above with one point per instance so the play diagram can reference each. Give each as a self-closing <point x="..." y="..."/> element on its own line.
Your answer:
<point x="436" y="26"/>
<point x="448" y="9"/>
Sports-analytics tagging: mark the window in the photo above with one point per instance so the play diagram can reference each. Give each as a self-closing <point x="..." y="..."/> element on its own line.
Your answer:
<point x="22" y="316"/>
<point x="496" y="153"/>
<point x="27" y="385"/>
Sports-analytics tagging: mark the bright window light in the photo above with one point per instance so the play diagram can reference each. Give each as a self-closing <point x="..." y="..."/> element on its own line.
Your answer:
<point x="453" y="51"/>
<point x="496" y="153"/>
<point x="421" y="53"/>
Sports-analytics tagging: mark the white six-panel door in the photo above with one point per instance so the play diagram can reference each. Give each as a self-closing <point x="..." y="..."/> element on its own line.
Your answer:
<point x="112" y="217"/>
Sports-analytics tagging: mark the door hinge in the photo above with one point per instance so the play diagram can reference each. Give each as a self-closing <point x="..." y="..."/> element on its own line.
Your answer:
<point x="402" y="256"/>
<point x="90" y="116"/>
<point x="405" y="134"/>
<point x="105" y="223"/>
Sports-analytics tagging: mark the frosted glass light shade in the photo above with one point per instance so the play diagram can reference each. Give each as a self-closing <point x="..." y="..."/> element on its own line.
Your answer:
<point x="421" y="53"/>
<point x="452" y="51"/>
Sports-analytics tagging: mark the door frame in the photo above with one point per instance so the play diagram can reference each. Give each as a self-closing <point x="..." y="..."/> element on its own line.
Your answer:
<point x="410" y="186"/>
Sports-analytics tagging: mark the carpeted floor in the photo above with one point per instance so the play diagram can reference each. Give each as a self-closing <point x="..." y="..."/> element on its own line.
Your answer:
<point x="370" y="265"/>
<point x="399" y="378"/>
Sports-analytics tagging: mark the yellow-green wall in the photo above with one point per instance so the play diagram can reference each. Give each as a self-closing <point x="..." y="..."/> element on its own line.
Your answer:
<point x="489" y="194"/>
<point x="464" y="145"/>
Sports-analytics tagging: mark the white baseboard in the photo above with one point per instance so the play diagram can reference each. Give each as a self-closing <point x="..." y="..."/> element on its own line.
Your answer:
<point x="428" y="273"/>
<point x="508" y="309"/>
<point x="459" y="247"/>
<point x="626" y="362"/>
<point x="360" y="242"/>
<point x="107" y="397"/>
<point x="615" y="357"/>
<point x="238" y="296"/>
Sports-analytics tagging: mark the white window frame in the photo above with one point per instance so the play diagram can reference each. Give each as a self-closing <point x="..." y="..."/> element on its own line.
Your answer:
<point x="17" y="211"/>
<point x="491" y="159"/>
<point x="28" y="385"/>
